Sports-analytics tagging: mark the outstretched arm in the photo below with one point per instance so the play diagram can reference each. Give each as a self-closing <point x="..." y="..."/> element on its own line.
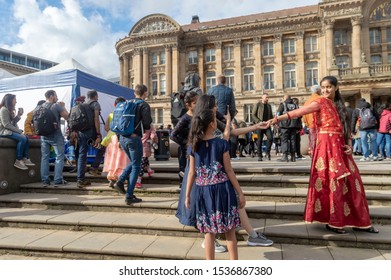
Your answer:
<point x="310" y="108"/>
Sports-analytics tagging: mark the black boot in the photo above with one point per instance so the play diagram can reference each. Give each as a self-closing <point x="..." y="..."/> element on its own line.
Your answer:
<point x="284" y="158"/>
<point x="293" y="158"/>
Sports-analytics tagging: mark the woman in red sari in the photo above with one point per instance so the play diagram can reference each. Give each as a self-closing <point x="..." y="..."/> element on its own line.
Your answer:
<point x="336" y="193"/>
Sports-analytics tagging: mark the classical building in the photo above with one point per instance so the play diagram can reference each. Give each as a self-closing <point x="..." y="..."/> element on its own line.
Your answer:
<point x="280" y="52"/>
<point x="20" y="64"/>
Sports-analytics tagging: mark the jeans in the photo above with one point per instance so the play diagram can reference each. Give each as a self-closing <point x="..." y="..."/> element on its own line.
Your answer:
<point x="22" y="146"/>
<point x="83" y="138"/>
<point x="133" y="148"/>
<point x="56" y="140"/>
<point x="269" y="141"/>
<point x="384" y="142"/>
<point x="357" y="145"/>
<point x="364" y="142"/>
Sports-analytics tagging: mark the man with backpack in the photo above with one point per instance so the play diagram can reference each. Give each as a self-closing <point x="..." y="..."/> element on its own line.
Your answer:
<point x="368" y="123"/>
<point x="84" y="124"/>
<point x="288" y="130"/>
<point x="46" y="120"/>
<point x="130" y="120"/>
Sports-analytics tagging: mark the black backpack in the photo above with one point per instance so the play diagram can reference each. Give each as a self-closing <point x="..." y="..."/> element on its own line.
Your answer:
<point x="292" y="123"/>
<point x="81" y="117"/>
<point x="178" y="106"/>
<point x="367" y="119"/>
<point x="44" y="121"/>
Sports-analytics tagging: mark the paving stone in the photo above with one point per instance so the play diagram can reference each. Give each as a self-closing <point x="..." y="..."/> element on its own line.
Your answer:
<point x="72" y="218"/>
<point x="167" y="222"/>
<point x="286" y="228"/>
<point x="92" y="242"/>
<point x="167" y="247"/>
<point x="140" y="220"/>
<point x="129" y="244"/>
<point x="305" y="252"/>
<point x="55" y="241"/>
<point x="342" y="253"/>
<point x="33" y="215"/>
<point x="386" y="254"/>
<point x="21" y="237"/>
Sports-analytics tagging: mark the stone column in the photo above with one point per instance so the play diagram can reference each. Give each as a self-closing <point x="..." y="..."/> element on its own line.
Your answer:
<point x="300" y="67"/>
<point x="279" y="71"/>
<point x="356" y="41"/>
<point x="384" y="47"/>
<point x="125" y="70"/>
<point x="137" y="64"/>
<point x="201" y="70"/>
<point x="176" y="68"/>
<point x="329" y="26"/>
<point x="238" y="66"/>
<point x="168" y="70"/>
<point x="258" y="65"/>
<point x="219" y="58"/>
<point x="121" y="70"/>
<point x="366" y="93"/>
<point x="145" y="67"/>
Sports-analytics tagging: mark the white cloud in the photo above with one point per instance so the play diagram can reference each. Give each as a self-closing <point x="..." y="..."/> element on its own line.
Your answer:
<point x="83" y="29"/>
<point x="59" y="33"/>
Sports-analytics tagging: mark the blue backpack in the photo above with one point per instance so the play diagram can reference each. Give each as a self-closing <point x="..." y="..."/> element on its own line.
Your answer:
<point x="124" y="116"/>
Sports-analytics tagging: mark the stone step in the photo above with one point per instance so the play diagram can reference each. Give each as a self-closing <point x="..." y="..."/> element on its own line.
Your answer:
<point x="248" y="179"/>
<point x="19" y="243"/>
<point x="256" y="193"/>
<point x="157" y="225"/>
<point x="162" y="205"/>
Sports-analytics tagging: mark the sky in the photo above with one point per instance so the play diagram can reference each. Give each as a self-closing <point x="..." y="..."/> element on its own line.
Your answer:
<point x="87" y="30"/>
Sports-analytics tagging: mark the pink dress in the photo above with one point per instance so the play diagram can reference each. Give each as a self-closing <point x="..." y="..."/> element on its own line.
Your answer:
<point x="115" y="159"/>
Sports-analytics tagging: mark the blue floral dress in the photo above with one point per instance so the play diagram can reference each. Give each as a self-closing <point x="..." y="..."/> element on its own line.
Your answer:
<point x="216" y="204"/>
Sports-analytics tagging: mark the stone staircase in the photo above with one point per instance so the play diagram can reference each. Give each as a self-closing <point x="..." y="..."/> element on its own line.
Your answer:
<point x="95" y="223"/>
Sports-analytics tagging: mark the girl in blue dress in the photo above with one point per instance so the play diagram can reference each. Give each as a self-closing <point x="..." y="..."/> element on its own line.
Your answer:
<point x="217" y="193"/>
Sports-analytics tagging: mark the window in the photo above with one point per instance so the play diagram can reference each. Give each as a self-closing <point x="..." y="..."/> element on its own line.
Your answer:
<point x="210" y="55"/>
<point x="4" y="56"/>
<point x="162" y="58"/>
<point x="248" y="109"/>
<point x="18" y="60"/>
<point x="154" y="84"/>
<point x="374" y="36"/>
<point x="230" y="78"/>
<point x="376" y="59"/>
<point x="311" y="69"/>
<point x="341" y="37"/>
<point x="311" y="43"/>
<point x="33" y="63"/>
<point x="228" y="53"/>
<point x="342" y="61"/>
<point x="268" y="77"/>
<point x="389" y="58"/>
<point x="248" y="79"/>
<point x="45" y="66"/>
<point x="268" y="48"/>
<point x="154" y="58"/>
<point x="192" y="55"/>
<point x="210" y="79"/>
<point x="290" y="75"/>
<point x="247" y="50"/>
<point x="388" y="35"/>
<point x="157" y="116"/>
<point x="162" y="82"/>
<point x="289" y="46"/>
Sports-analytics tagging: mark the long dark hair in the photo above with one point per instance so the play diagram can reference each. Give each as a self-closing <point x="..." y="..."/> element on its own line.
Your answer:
<point x="341" y="109"/>
<point x="189" y="97"/>
<point x="7" y="103"/>
<point x="199" y="125"/>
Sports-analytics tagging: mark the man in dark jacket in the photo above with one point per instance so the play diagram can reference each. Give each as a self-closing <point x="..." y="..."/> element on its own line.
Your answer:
<point x="224" y="96"/>
<point x="262" y="111"/>
<point x="288" y="129"/>
<point x="367" y="128"/>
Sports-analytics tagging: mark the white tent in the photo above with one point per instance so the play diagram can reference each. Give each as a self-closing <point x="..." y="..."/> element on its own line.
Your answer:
<point x="70" y="80"/>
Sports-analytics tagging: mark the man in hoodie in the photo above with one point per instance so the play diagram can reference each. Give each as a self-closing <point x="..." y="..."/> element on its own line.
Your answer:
<point x="368" y="121"/>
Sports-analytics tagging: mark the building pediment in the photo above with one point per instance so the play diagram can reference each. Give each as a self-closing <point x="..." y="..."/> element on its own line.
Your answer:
<point x="154" y="24"/>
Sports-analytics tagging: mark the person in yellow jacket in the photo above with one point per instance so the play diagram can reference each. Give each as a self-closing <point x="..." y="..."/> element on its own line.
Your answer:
<point x="28" y="123"/>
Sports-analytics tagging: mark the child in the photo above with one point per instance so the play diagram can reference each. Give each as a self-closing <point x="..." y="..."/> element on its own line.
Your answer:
<point x="181" y="131"/>
<point x="148" y="138"/>
<point x="215" y="184"/>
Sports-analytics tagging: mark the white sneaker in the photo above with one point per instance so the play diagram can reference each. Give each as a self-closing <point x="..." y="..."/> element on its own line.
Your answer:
<point x="364" y="159"/>
<point x="374" y="158"/>
<point x="20" y="164"/>
<point x="28" y="162"/>
<point x="218" y="247"/>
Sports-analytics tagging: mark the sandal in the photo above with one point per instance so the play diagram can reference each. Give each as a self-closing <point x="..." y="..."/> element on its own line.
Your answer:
<point x="370" y="229"/>
<point x="336" y="230"/>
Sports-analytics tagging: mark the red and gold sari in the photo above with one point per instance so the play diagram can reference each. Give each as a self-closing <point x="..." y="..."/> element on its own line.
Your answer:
<point x="336" y="193"/>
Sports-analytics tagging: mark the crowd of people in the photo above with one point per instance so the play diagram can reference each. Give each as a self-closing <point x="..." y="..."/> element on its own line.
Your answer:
<point x="209" y="136"/>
